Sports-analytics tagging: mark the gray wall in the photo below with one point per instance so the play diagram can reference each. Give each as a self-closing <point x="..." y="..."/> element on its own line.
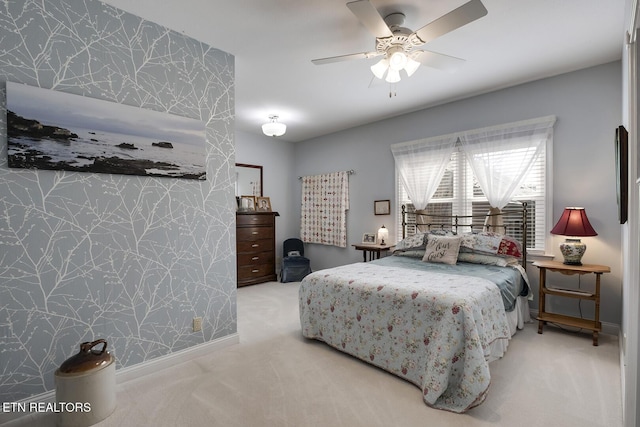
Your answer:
<point x="587" y="104"/>
<point x="130" y="259"/>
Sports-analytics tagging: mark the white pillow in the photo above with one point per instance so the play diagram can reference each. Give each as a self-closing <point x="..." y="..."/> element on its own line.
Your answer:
<point x="442" y="249"/>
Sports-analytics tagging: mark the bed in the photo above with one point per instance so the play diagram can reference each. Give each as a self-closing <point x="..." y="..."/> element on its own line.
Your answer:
<point x="433" y="320"/>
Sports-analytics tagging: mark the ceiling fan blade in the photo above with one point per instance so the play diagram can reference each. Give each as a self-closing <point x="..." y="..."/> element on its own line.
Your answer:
<point x="363" y="55"/>
<point x="370" y="18"/>
<point x="457" y="18"/>
<point x="438" y="60"/>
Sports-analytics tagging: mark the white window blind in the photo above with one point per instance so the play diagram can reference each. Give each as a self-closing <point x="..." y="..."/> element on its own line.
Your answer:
<point x="459" y="194"/>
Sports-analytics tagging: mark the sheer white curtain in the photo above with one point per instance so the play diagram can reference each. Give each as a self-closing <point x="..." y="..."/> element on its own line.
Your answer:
<point x="501" y="156"/>
<point x="421" y="165"/>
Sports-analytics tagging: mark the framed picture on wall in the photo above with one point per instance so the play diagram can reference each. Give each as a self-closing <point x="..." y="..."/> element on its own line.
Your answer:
<point x="53" y="130"/>
<point x="382" y="207"/>
<point x="622" y="172"/>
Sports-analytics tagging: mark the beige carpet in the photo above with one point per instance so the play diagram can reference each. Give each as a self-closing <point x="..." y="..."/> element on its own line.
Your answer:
<point x="276" y="378"/>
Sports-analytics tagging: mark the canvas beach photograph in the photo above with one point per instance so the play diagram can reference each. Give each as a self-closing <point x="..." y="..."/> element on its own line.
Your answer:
<point x="48" y="129"/>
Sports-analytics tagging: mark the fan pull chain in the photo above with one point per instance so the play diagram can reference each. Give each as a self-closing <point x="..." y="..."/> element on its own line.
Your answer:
<point x="392" y="90"/>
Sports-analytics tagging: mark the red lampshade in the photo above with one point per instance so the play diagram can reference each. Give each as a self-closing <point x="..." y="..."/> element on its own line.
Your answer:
<point x="574" y="222"/>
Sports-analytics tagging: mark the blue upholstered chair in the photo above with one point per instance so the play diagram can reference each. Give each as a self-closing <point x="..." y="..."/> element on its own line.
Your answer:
<point x="294" y="265"/>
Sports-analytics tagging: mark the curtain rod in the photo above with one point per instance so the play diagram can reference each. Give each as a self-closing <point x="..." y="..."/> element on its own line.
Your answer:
<point x="349" y="172"/>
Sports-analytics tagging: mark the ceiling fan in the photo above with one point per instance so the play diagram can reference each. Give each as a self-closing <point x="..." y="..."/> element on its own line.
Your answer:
<point x="399" y="45"/>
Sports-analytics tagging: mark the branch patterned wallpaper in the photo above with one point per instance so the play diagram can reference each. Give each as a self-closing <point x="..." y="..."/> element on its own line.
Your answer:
<point x="129" y="259"/>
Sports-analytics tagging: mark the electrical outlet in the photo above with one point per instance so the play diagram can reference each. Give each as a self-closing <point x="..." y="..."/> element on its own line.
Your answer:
<point x="197" y="324"/>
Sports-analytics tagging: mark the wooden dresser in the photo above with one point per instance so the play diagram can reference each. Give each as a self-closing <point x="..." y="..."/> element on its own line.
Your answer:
<point x="256" y="247"/>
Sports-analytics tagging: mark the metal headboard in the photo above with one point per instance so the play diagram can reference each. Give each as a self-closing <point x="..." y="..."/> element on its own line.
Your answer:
<point x="416" y="221"/>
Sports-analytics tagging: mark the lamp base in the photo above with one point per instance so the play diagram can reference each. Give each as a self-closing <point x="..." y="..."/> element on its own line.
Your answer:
<point x="572" y="250"/>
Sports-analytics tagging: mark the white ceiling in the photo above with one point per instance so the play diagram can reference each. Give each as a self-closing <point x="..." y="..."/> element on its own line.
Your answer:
<point x="274" y="41"/>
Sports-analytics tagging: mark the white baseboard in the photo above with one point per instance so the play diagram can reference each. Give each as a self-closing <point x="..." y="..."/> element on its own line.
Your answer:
<point x="133" y="372"/>
<point x="168" y="360"/>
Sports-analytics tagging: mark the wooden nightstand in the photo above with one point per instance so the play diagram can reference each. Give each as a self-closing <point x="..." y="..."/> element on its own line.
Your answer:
<point x="544" y="316"/>
<point x="372" y="250"/>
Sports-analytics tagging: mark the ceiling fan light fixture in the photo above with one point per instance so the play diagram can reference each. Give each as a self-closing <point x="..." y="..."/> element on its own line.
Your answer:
<point x="393" y="76"/>
<point x="380" y="67"/>
<point x="411" y="67"/>
<point x="274" y="128"/>
<point x="397" y="58"/>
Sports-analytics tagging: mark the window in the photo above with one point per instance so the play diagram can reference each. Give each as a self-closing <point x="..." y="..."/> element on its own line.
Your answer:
<point x="459" y="194"/>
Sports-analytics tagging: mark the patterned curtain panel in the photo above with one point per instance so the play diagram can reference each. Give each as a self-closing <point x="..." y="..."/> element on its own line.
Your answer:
<point x="325" y="201"/>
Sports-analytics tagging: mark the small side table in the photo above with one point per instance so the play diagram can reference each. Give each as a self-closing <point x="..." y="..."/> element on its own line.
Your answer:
<point x="371" y="250"/>
<point x="544" y="316"/>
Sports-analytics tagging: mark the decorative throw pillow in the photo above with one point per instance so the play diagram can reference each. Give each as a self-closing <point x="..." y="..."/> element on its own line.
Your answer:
<point x="484" y="242"/>
<point x="510" y="247"/>
<point x="442" y="249"/>
<point x="415" y="241"/>
<point x="491" y="243"/>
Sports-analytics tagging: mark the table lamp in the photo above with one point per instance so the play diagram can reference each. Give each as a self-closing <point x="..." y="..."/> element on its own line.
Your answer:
<point x="573" y="223"/>
<point x="383" y="233"/>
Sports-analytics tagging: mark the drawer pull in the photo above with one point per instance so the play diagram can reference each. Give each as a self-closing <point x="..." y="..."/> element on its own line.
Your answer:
<point x="255" y="245"/>
<point x="255" y="271"/>
<point x="255" y="258"/>
<point x="254" y="232"/>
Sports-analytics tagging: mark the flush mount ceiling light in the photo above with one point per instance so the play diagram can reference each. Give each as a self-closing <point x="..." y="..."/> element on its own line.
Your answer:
<point x="399" y="45"/>
<point x="274" y="128"/>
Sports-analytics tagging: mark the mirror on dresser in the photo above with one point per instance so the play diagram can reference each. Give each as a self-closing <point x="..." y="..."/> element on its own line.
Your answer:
<point x="248" y="180"/>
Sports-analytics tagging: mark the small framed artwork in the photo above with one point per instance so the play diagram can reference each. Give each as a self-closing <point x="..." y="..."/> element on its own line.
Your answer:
<point x="369" y="238"/>
<point x="263" y="204"/>
<point x="247" y="203"/>
<point x="382" y="207"/>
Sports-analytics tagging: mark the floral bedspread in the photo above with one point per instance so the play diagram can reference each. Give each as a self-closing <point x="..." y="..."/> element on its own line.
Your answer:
<point x="430" y="328"/>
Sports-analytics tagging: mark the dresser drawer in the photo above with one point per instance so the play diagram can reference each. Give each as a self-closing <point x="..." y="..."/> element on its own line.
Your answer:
<point x="250" y="234"/>
<point x="254" y="246"/>
<point x="248" y="220"/>
<point x="251" y="271"/>
<point x="255" y="258"/>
